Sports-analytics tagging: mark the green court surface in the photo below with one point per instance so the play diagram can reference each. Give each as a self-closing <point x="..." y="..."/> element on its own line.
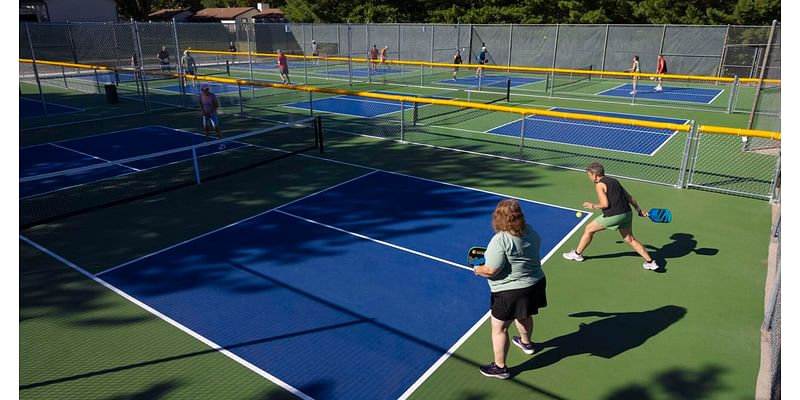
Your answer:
<point x="612" y="330"/>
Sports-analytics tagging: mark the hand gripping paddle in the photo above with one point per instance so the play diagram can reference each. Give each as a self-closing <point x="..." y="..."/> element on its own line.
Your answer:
<point x="660" y="215"/>
<point x="475" y="256"/>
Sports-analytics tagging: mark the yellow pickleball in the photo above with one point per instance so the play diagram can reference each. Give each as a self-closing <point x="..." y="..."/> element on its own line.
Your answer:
<point x="578" y="214"/>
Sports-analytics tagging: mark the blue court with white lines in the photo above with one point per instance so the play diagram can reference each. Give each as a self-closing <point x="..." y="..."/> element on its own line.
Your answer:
<point x="669" y="93"/>
<point x="102" y="148"/>
<point x="357" y="106"/>
<point x="346" y="293"/>
<point x="33" y="108"/>
<point x="598" y="135"/>
<point x="491" y="81"/>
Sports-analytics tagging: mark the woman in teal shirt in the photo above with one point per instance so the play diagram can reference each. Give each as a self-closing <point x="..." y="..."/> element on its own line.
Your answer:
<point x="516" y="280"/>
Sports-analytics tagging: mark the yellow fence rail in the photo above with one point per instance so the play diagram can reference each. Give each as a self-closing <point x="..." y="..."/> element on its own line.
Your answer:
<point x="503" y="68"/>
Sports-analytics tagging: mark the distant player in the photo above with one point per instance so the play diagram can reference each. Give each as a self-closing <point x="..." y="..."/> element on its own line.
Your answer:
<point x="615" y="203"/>
<point x="635" y="69"/>
<point x="315" y="51"/>
<point x="456" y="60"/>
<point x="189" y="66"/>
<point x="163" y="59"/>
<point x="283" y="68"/>
<point x="661" y="69"/>
<point x="232" y="47"/>
<point x="482" y="59"/>
<point x="209" y="107"/>
<point x="384" y="55"/>
<point x="373" y="57"/>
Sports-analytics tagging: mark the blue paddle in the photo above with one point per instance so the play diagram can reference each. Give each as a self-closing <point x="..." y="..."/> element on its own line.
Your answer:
<point x="660" y="215"/>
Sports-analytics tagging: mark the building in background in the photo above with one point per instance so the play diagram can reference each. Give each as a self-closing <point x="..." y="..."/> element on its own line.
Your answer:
<point x="231" y="15"/>
<point x="68" y="10"/>
<point x="168" y="14"/>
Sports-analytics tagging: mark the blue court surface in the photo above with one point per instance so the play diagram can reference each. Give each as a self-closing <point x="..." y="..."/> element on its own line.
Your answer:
<point x="33" y="108"/>
<point x="105" y="77"/>
<point x="690" y="95"/>
<point x="598" y="135"/>
<point x="353" y="106"/>
<point x="98" y="149"/>
<point x="216" y="88"/>
<point x="362" y="72"/>
<point x="351" y="293"/>
<point x="491" y="80"/>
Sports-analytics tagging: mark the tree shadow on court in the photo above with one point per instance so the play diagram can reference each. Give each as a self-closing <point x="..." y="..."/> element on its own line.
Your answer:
<point x="609" y="337"/>
<point x="676" y="383"/>
<point x="156" y="391"/>
<point x="682" y="245"/>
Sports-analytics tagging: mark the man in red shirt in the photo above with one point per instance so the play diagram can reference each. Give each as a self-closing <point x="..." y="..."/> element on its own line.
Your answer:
<point x="661" y="69"/>
<point x="283" y="68"/>
<point x="373" y="57"/>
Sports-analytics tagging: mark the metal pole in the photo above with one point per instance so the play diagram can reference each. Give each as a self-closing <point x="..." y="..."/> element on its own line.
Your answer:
<point x="555" y="52"/>
<point x="178" y="64"/>
<point x="731" y="96"/>
<point x="250" y="60"/>
<point x="369" y="61"/>
<point x="724" y="50"/>
<point x="402" y="120"/>
<point x="510" y="41"/>
<point x="36" y="70"/>
<point x="605" y="50"/>
<point x="64" y="77"/>
<point x="140" y="67"/>
<point x="761" y="75"/>
<point x="72" y="43"/>
<point x="116" y="45"/>
<point x="433" y="42"/>
<point x="400" y="51"/>
<point x="775" y="178"/>
<point x="663" y="36"/>
<point x="310" y="103"/>
<point x="522" y="137"/>
<point x="305" y="60"/>
<point x="241" y="100"/>
<point x="196" y="168"/>
<point x="349" y="54"/>
<point x="682" y="173"/>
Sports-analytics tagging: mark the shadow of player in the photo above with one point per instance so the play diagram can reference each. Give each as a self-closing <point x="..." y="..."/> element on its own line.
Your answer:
<point x="682" y="245"/>
<point x="607" y="337"/>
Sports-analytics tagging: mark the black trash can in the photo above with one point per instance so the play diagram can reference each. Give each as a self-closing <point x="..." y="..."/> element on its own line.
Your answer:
<point x="111" y="94"/>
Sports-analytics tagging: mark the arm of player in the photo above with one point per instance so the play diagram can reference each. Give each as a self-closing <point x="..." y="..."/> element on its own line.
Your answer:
<point x="635" y="205"/>
<point x="494" y="255"/>
<point x="602" y="198"/>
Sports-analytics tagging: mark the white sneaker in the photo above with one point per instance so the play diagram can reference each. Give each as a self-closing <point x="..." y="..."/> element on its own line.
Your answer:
<point x="652" y="266"/>
<point x="633" y="92"/>
<point x="572" y="255"/>
<point x="659" y="89"/>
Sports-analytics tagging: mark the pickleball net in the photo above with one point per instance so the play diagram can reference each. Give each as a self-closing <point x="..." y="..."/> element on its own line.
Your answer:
<point x="50" y="197"/>
<point x="489" y="93"/>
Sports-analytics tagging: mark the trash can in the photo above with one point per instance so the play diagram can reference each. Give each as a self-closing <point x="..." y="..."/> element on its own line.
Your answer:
<point x="111" y="94"/>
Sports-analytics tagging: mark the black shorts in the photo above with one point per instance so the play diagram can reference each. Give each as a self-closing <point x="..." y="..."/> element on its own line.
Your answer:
<point x="519" y="303"/>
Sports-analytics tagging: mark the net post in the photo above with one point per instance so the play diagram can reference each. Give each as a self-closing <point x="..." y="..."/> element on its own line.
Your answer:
<point x="227" y="68"/>
<point x="36" y="70"/>
<point x="241" y="99"/>
<point x="97" y="81"/>
<point x="64" y="76"/>
<point x="179" y="66"/>
<point x="310" y="103"/>
<point x="508" y="90"/>
<point x="403" y="120"/>
<point x="320" y="134"/>
<point x="196" y="167"/>
<point x="682" y="173"/>
<point x="731" y="95"/>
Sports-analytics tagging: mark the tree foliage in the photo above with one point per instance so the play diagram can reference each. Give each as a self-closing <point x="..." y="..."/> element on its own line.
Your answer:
<point x="696" y="12"/>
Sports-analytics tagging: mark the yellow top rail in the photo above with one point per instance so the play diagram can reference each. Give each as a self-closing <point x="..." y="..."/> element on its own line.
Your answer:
<point x="455" y="103"/>
<point x="502" y="68"/>
<point x="721" y="130"/>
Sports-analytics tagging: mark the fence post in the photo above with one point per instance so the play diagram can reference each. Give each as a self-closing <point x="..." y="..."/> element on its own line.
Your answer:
<point x="761" y="75"/>
<point x="775" y="177"/>
<point x="250" y="59"/>
<point x="724" y="50"/>
<point x="305" y="60"/>
<point x="72" y="43"/>
<point x="116" y="45"/>
<point x="36" y="69"/>
<point x="732" y="95"/>
<point x="605" y="50"/>
<point x="555" y="53"/>
<point x="510" y="42"/>
<point x="682" y="173"/>
<point x="179" y="66"/>
<point x="522" y="137"/>
<point x="663" y="37"/>
<point x="402" y="120"/>
<point x="369" y="61"/>
<point x="400" y="51"/>
<point x="349" y="54"/>
<point x="694" y="151"/>
<point x="140" y="67"/>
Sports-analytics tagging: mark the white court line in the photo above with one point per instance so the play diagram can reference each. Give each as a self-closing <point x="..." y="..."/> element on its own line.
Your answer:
<point x="394" y="246"/>
<point x="229" y="225"/>
<point x="479" y="323"/>
<point x="172" y="322"/>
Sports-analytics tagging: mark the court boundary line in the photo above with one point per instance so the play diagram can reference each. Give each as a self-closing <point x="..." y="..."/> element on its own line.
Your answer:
<point x="665" y="100"/>
<point x="432" y="369"/>
<point x="571" y="144"/>
<point x="91" y="156"/>
<point x="228" y="226"/>
<point x="378" y="241"/>
<point x="289" y="105"/>
<point x="72" y="111"/>
<point x="202" y="339"/>
<point x="105" y="133"/>
<point x="511" y="77"/>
